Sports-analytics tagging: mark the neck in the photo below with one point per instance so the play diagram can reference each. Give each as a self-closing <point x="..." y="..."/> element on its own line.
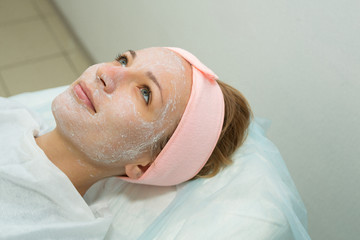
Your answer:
<point x="72" y="162"/>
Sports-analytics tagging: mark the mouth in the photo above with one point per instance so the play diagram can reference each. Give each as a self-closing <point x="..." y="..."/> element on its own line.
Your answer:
<point x="84" y="94"/>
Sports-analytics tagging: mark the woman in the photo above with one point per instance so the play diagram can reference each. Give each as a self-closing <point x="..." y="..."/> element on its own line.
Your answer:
<point x="115" y="118"/>
<point x="156" y="116"/>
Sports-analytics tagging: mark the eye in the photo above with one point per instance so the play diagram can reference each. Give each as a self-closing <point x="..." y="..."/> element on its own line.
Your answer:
<point x="122" y="59"/>
<point x="145" y="91"/>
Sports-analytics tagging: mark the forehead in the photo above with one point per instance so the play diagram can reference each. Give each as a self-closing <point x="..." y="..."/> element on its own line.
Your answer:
<point x="167" y="66"/>
<point x="161" y="59"/>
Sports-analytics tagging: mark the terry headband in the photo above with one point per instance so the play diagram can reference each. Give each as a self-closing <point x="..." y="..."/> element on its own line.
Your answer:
<point x="197" y="133"/>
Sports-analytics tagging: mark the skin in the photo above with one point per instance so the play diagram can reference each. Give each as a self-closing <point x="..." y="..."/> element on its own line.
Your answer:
<point x="105" y="127"/>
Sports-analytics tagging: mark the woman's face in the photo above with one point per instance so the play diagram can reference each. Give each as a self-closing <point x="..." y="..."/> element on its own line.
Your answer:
<point x="114" y="112"/>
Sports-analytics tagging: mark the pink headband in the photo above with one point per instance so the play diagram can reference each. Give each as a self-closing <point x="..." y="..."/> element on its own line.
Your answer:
<point x="198" y="131"/>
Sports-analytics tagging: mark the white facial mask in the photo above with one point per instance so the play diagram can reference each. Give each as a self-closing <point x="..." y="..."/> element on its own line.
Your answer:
<point x="118" y="131"/>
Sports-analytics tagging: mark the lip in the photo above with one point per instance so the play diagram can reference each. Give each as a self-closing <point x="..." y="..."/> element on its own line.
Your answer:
<point x="84" y="94"/>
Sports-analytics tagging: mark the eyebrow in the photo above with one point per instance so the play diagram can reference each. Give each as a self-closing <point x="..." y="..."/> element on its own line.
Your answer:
<point x="153" y="78"/>
<point x="133" y="53"/>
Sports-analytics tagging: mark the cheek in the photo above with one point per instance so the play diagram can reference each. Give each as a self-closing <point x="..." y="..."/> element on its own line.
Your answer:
<point x="131" y="135"/>
<point x="117" y="133"/>
<point x="126" y="126"/>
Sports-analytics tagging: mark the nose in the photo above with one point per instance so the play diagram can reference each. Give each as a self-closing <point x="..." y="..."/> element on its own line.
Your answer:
<point x="110" y="76"/>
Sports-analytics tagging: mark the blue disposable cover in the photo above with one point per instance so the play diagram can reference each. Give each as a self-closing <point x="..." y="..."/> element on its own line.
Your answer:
<point x="255" y="198"/>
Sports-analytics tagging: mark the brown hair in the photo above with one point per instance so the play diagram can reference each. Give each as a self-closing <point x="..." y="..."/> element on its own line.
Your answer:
<point x="237" y="118"/>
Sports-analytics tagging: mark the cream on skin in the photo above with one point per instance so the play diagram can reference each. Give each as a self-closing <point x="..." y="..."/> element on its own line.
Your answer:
<point x="111" y="117"/>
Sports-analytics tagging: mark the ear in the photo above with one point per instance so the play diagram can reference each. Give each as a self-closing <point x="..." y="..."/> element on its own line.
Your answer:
<point x="136" y="170"/>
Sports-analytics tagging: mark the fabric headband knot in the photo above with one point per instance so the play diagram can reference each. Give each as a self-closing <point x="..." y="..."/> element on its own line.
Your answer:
<point x="197" y="133"/>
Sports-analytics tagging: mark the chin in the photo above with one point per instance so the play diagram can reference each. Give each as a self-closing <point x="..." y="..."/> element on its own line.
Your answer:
<point x="66" y="111"/>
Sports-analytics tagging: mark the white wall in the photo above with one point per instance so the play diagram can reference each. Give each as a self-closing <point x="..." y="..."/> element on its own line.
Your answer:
<point x="298" y="63"/>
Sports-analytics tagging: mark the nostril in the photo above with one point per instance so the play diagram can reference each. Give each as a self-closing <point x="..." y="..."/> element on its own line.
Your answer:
<point x="99" y="78"/>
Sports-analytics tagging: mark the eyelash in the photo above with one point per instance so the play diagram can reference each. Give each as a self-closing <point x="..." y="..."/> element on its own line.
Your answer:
<point x="149" y="90"/>
<point x="120" y="57"/>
